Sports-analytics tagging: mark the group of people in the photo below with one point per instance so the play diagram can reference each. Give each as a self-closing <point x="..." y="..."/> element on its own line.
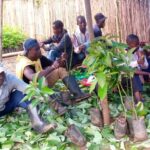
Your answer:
<point x="63" y="52"/>
<point x="76" y="45"/>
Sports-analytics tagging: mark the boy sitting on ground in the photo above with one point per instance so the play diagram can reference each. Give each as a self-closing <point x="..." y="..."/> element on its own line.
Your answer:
<point x="139" y="62"/>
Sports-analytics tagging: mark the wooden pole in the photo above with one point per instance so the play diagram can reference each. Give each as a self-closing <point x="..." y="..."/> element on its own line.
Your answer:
<point x="89" y="18"/>
<point x="1" y="24"/>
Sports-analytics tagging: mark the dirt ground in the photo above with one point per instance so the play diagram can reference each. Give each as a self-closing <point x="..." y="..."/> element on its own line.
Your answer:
<point x="10" y="63"/>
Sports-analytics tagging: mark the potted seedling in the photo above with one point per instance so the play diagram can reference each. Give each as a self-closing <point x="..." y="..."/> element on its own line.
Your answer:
<point x="109" y="62"/>
<point x="104" y="62"/>
<point x="136" y="122"/>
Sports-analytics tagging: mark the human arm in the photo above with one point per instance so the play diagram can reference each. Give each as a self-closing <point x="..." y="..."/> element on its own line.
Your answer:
<point x="64" y="43"/>
<point x="79" y="47"/>
<point x="139" y="72"/>
<point x="29" y="73"/>
<point x="48" y="41"/>
<point x="16" y="83"/>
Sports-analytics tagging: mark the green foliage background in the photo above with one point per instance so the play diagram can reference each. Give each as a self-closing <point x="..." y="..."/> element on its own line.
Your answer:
<point x="12" y="37"/>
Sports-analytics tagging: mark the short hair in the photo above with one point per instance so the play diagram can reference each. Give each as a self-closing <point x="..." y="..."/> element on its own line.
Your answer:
<point x="99" y="16"/>
<point x="80" y="17"/>
<point x="58" y="24"/>
<point x="133" y="38"/>
<point x="30" y="43"/>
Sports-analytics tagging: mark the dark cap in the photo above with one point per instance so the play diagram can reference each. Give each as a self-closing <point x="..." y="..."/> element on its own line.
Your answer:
<point x="30" y="43"/>
<point x="100" y="16"/>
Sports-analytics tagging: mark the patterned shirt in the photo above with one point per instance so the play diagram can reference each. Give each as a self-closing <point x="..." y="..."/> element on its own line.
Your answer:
<point x="135" y="58"/>
<point x="80" y="39"/>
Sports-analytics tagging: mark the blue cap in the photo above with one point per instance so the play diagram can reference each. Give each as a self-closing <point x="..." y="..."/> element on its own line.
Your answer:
<point x="30" y="43"/>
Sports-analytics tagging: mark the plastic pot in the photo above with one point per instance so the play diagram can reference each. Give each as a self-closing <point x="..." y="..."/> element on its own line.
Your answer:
<point x="96" y="117"/>
<point x="120" y="128"/>
<point x="75" y="136"/>
<point x="130" y="125"/>
<point x="128" y="103"/>
<point x="139" y="129"/>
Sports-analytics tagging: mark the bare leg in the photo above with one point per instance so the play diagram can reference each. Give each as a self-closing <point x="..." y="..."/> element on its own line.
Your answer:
<point x="55" y="75"/>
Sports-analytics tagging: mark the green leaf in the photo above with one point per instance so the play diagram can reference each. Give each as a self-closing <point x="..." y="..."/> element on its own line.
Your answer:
<point x="3" y="139"/>
<point x="94" y="147"/>
<point x="107" y="60"/>
<point x="89" y="60"/>
<point x="101" y="77"/>
<point x="92" y="87"/>
<point x="102" y="92"/>
<point x="7" y="145"/>
<point x="47" y="90"/>
<point x="41" y="82"/>
<point x="35" y="78"/>
<point x="140" y="106"/>
<point x="84" y="105"/>
<point x="35" y="102"/>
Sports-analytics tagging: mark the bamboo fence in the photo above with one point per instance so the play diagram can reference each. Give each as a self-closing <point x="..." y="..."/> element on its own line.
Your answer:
<point x="35" y="17"/>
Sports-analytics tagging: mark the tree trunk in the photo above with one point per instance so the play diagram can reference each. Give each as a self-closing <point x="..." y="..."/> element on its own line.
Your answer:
<point x="105" y="111"/>
<point x="1" y="20"/>
<point x="89" y="18"/>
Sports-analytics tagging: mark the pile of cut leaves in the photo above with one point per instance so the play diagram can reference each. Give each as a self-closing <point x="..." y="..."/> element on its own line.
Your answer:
<point x="16" y="132"/>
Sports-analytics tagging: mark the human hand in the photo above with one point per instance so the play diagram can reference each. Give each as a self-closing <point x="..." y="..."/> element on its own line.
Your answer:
<point x="64" y="56"/>
<point x="141" y="58"/>
<point x="141" y="61"/>
<point x="41" y="44"/>
<point x="81" y="48"/>
<point x="56" y="64"/>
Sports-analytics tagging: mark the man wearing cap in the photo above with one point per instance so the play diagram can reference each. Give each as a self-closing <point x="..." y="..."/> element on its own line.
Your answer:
<point x="100" y="23"/>
<point x="11" y="95"/>
<point x="33" y="62"/>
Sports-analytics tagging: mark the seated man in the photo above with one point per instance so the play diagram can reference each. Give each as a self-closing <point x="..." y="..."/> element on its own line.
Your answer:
<point x="139" y="61"/>
<point x="60" y="42"/>
<point x="11" y="95"/>
<point x="33" y="62"/>
<point x="100" y="23"/>
<point x="80" y="40"/>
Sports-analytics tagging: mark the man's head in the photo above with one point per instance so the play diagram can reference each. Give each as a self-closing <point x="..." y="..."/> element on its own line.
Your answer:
<point x="81" y="22"/>
<point x="58" y="27"/>
<point x="132" y="41"/>
<point x="100" y="20"/>
<point x="2" y="74"/>
<point x="32" y="49"/>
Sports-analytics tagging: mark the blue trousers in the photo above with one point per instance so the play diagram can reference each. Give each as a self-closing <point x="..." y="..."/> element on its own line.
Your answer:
<point x="78" y="59"/>
<point x="137" y="84"/>
<point x="14" y="101"/>
<point x="53" y="55"/>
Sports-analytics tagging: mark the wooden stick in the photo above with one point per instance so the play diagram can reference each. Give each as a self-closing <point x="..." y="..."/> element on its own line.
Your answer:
<point x="89" y="18"/>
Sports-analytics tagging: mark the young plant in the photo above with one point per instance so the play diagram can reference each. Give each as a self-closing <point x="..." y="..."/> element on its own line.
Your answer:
<point x="108" y="61"/>
<point x="37" y="91"/>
